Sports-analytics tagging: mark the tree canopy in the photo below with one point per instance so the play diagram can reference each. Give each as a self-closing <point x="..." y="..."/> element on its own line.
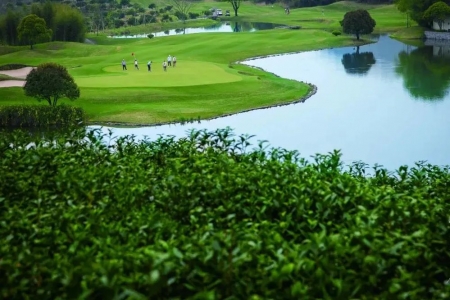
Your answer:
<point x="50" y="82"/>
<point x="415" y="9"/>
<point x="33" y="29"/>
<point x="358" y="22"/>
<point x="437" y="12"/>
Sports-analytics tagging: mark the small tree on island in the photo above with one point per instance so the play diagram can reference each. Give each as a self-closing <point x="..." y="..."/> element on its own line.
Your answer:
<point x="32" y="30"/>
<point x="437" y="12"/>
<point x="358" y="22"/>
<point x="50" y="82"/>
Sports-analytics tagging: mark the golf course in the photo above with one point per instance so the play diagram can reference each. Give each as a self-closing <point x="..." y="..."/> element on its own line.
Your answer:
<point x="208" y="80"/>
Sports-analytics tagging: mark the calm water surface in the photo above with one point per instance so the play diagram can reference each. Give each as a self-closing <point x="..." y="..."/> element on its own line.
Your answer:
<point x="384" y="103"/>
<point x="219" y="27"/>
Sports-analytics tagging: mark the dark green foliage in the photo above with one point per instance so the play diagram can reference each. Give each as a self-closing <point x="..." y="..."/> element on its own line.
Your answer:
<point x="437" y="12"/>
<point x="205" y="217"/>
<point x="193" y="15"/>
<point x="12" y="67"/>
<point x="8" y="26"/>
<point x="40" y="116"/>
<point x="336" y="32"/>
<point x="358" y="22"/>
<point x="150" y="36"/>
<point x="32" y="30"/>
<point x="50" y="82"/>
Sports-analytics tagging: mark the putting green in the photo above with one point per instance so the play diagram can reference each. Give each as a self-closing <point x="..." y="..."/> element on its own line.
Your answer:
<point x="186" y="73"/>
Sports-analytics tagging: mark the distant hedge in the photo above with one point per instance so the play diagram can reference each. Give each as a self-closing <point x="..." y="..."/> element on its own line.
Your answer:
<point x="207" y="217"/>
<point x="40" y="116"/>
<point x="9" y="67"/>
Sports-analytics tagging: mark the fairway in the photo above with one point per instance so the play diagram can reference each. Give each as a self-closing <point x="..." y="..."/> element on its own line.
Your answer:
<point x="206" y="82"/>
<point x="186" y="73"/>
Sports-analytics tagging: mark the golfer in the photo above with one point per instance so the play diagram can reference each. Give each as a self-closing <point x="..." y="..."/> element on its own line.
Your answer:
<point x="124" y="64"/>
<point x="174" y="59"/>
<point x="149" y="65"/>
<point x="136" y="64"/>
<point x="169" y="60"/>
<point x="164" y="66"/>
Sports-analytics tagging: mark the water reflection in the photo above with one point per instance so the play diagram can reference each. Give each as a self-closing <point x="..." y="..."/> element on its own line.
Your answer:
<point x="217" y="27"/>
<point x="426" y="71"/>
<point x="358" y="63"/>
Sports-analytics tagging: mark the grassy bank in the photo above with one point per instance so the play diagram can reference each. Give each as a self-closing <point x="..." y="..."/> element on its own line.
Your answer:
<point x="205" y="83"/>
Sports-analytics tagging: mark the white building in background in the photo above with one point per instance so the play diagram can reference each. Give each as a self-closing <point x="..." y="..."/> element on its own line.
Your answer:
<point x="445" y="25"/>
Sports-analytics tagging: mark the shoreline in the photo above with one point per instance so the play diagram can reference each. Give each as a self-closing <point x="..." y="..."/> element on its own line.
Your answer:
<point x="312" y="91"/>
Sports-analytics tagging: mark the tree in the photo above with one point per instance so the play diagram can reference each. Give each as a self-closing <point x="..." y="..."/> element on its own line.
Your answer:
<point x="358" y="22"/>
<point x="235" y="4"/>
<point x="182" y="8"/>
<point x="415" y="9"/>
<point x="50" y="82"/>
<point x="437" y="12"/>
<point x="9" y="25"/>
<point x="358" y="63"/>
<point x="33" y="29"/>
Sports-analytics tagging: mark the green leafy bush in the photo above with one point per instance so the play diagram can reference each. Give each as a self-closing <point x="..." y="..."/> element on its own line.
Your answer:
<point x="40" y="116"/>
<point x="150" y="36"/>
<point x="336" y="32"/>
<point x="12" y="67"/>
<point x="207" y="217"/>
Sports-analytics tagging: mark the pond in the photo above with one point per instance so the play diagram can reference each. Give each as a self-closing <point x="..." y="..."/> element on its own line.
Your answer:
<point x="219" y="27"/>
<point x="385" y="103"/>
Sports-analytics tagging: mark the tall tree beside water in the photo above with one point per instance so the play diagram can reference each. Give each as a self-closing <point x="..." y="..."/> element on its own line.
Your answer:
<point x="425" y="72"/>
<point x="358" y="63"/>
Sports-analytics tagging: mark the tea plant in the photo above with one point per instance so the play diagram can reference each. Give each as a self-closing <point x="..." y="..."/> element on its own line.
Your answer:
<point x="85" y="216"/>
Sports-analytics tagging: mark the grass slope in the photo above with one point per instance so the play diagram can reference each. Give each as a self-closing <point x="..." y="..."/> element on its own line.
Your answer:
<point x="205" y="83"/>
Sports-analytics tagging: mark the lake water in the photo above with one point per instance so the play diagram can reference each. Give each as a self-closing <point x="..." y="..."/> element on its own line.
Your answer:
<point x="219" y="27"/>
<point x="384" y="103"/>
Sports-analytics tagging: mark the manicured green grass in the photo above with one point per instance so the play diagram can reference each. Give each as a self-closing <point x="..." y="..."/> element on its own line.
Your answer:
<point x="206" y="83"/>
<point x="4" y="77"/>
<point x="410" y="33"/>
<point x="186" y="73"/>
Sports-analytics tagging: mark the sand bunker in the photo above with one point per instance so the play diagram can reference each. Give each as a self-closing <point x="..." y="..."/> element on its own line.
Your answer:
<point x="19" y="73"/>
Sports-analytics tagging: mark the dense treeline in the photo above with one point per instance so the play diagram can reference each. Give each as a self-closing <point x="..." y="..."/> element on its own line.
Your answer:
<point x="312" y="3"/>
<point x="415" y="9"/>
<point x="66" y="22"/>
<point x="206" y="217"/>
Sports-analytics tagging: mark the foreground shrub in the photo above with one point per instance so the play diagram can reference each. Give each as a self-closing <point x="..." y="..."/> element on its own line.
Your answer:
<point x="40" y="116"/>
<point x="150" y="36"/>
<point x="205" y="217"/>
<point x="336" y="32"/>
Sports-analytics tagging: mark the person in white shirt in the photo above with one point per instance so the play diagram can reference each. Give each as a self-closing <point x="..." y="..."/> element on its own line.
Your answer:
<point x="136" y="64"/>
<point x="164" y="66"/>
<point x="149" y="65"/>
<point x="169" y="60"/>
<point x="174" y="59"/>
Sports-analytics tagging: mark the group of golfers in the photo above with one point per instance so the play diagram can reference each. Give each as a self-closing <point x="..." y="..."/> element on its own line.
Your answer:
<point x="171" y="62"/>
